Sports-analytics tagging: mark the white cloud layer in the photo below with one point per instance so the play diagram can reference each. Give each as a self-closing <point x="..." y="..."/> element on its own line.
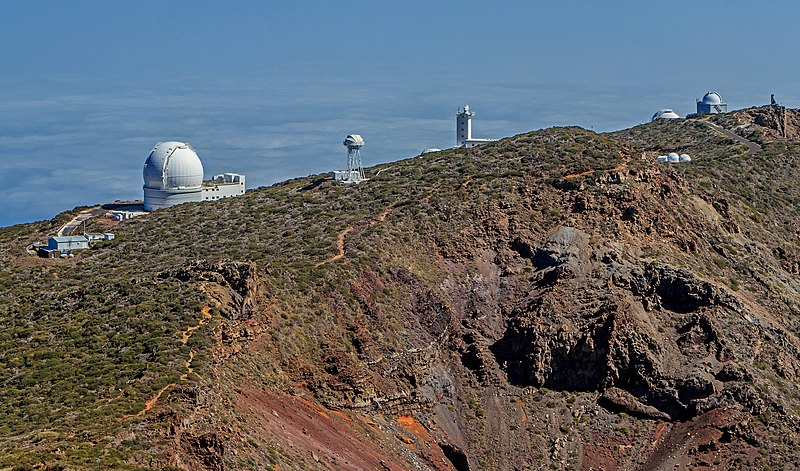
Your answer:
<point x="74" y="141"/>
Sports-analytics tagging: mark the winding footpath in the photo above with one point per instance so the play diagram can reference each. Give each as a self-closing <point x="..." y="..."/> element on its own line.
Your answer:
<point x="339" y="245"/>
<point x="340" y="238"/>
<point x="187" y="333"/>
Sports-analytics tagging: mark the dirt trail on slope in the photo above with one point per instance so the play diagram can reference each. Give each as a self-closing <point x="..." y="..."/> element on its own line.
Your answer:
<point x="576" y="175"/>
<point x="187" y="333"/>
<point x="427" y="196"/>
<point x="339" y="245"/>
<point x="188" y="364"/>
<point x="382" y="216"/>
<point x="206" y="310"/>
<point x="340" y="238"/>
<point x="622" y="165"/>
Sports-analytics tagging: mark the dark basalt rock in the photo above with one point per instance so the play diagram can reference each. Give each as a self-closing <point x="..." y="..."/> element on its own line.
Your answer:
<point x="619" y="400"/>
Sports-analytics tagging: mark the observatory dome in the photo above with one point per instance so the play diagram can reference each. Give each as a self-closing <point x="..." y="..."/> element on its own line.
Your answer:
<point x="712" y="98"/>
<point x="666" y="113"/>
<point x="354" y="140"/>
<point x="173" y="164"/>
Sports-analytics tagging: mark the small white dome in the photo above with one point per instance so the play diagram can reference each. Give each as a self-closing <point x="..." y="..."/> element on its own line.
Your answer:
<point x="673" y="157"/>
<point x="173" y="164"/>
<point x="666" y="113"/>
<point x="712" y="98"/>
<point x="685" y="158"/>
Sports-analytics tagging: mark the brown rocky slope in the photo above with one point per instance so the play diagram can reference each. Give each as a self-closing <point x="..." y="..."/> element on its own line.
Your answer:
<point x="554" y="300"/>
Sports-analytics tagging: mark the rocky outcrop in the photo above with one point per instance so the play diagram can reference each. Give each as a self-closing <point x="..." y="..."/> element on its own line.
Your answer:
<point x="574" y="335"/>
<point x="676" y="290"/>
<point x="619" y="400"/>
<point x="768" y="123"/>
<point x="237" y="284"/>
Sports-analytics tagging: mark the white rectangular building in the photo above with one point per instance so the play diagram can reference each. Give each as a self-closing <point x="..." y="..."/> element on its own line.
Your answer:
<point x="224" y="185"/>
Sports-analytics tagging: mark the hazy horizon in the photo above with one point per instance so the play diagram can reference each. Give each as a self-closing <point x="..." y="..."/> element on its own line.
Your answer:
<point x="270" y="91"/>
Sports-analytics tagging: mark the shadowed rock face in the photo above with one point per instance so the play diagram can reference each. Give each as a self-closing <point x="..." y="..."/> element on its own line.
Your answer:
<point x="600" y="342"/>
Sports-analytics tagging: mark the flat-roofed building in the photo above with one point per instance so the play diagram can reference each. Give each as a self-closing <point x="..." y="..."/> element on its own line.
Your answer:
<point x="65" y="244"/>
<point x="224" y="185"/>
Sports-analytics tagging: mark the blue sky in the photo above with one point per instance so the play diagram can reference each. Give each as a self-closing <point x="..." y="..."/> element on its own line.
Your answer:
<point x="270" y="89"/>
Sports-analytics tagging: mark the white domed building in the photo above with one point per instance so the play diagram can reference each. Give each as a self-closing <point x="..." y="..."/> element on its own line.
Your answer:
<point x="173" y="174"/>
<point x="711" y="104"/>
<point x="666" y="113"/>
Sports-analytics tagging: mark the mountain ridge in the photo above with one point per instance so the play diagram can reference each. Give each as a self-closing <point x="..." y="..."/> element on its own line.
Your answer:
<point x="557" y="298"/>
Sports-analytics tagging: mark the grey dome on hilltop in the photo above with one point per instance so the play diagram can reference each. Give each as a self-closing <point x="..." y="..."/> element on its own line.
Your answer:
<point x="711" y="104"/>
<point x="173" y="174"/>
<point x="665" y="113"/>
<point x="173" y="164"/>
<point x="712" y="98"/>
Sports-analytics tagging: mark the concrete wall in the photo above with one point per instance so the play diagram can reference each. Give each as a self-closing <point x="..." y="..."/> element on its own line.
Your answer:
<point x="158" y="199"/>
<point x="703" y="108"/>
<point x="216" y="192"/>
<point x="476" y="142"/>
<point x="345" y="175"/>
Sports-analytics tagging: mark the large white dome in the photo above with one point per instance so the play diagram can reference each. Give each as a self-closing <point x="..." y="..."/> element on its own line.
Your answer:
<point x="712" y="98"/>
<point x="173" y="165"/>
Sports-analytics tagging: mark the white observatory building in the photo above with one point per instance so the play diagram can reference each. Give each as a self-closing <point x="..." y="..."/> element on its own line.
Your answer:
<point x="355" y="171"/>
<point x="711" y="104"/>
<point x="464" y="137"/>
<point x="665" y="113"/>
<point x="173" y="174"/>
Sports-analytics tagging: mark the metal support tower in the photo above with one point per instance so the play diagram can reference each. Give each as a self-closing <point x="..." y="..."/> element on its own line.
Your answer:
<point x="355" y="171"/>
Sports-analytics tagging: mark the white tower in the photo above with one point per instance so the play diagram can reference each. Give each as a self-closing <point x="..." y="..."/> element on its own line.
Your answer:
<point x="354" y="172"/>
<point x="463" y="126"/>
